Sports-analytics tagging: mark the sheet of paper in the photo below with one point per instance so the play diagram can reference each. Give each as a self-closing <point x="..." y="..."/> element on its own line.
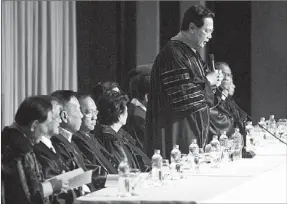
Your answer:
<point x="81" y="179"/>
<point x="68" y="175"/>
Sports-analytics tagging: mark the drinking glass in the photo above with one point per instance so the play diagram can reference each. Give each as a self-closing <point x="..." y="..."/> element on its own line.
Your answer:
<point x="134" y="176"/>
<point x="165" y="169"/>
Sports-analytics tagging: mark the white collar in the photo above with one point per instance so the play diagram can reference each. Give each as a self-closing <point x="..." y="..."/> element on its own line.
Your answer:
<point x="67" y="134"/>
<point x="136" y="102"/>
<point x="48" y="143"/>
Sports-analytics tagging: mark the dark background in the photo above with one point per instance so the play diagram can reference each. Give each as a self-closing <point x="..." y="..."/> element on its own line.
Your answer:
<point x="110" y="42"/>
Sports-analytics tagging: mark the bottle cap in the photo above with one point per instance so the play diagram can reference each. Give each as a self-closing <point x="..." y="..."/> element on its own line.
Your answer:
<point x="157" y="151"/>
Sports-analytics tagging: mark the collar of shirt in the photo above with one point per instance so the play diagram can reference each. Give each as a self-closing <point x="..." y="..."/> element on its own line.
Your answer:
<point x="67" y="134"/>
<point x="136" y="102"/>
<point x="182" y="38"/>
<point x="84" y="133"/>
<point x="48" y="143"/>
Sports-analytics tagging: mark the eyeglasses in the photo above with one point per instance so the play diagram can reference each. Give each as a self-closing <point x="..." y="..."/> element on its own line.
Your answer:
<point x="227" y="74"/>
<point x="90" y="113"/>
<point x="208" y="31"/>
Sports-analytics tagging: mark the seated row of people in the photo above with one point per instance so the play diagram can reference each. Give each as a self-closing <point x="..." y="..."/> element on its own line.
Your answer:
<point x="52" y="134"/>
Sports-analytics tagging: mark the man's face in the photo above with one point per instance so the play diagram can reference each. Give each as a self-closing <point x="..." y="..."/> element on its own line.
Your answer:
<point x="50" y="126"/>
<point x="227" y="75"/>
<point x="53" y="125"/>
<point x="123" y="117"/>
<point x="231" y="89"/>
<point x="203" y="35"/>
<point x="90" y="112"/>
<point x="73" y="115"/>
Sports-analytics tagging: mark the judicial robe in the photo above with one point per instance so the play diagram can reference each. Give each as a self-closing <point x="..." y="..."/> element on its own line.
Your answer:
<point x="22" y="174"/>
<point x="179" y="100"/>
<point x="238" y="115"/>
<point x="73" y="158"/>
<point x="122" y="146"/>
<point x="93" y="151"/>
<point x="135" y="125"/>
<point x="53" y="165"/>
<point x="220" y="118"/>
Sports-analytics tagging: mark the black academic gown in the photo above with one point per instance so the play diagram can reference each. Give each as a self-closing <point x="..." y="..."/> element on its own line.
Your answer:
<point x="179" y="100"/>
<point x="220" y="118"/>
<point x="21" y="173"/>
<point x="73" y="158"/>
<point x="93" y="151"/>
<point x="122" y="145"/>
<point x="53" y="165"/>
<point x="135" y="125"/>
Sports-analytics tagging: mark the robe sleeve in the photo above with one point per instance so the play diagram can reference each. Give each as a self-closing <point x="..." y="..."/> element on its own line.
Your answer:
<point x="183" y="81"/>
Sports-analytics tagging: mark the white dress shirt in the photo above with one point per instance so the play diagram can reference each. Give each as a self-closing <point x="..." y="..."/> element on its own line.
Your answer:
<point x="48" y="143"/>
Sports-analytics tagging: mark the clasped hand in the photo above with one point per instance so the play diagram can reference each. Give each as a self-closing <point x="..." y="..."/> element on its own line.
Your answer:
<point x="215" y="78"/>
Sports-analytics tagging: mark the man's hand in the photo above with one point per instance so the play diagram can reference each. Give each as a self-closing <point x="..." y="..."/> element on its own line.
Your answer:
<point x="215" y="78"/>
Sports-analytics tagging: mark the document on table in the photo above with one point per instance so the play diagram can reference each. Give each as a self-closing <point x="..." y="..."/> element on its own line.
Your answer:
<point x="76" y="177"/>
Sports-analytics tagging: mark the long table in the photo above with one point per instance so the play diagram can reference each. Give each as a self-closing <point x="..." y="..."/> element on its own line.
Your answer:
<point x="261" y="179"/>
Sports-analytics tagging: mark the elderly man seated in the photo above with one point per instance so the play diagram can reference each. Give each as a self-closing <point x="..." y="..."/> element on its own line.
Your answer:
<point x="88" y="144"/>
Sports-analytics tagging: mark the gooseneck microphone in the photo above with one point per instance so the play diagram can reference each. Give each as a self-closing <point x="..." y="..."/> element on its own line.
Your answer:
<point x="249" y="117"/>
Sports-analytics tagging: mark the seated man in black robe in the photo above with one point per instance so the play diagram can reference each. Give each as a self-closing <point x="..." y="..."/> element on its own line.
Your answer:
<point x="71" y="121"/>
<point x="49" y="158"/>
<point x="135" y="126"/>
<point x="227" y="116"/>
<point x="88" y="144"/>
<point x="21" y="173"/>
<point x="112" y="116"/>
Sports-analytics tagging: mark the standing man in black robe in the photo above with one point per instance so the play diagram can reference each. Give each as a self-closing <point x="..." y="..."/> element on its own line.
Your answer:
<point x="181" y="87"/>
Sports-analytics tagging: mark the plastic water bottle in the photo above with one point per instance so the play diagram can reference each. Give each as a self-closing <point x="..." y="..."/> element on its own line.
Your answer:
<point x="271" y="126"/>
<point x="124" y="181"/>
<point x="250" y="133"/>
<point x="262" y="123"/>
<point x="223" y="139"/>
<point x="238" y="144"/>
<point x="175" y="165"/>
<point x="157" y="168"/>
<point x="215" y="144"/>
<point x="193" y="156"/>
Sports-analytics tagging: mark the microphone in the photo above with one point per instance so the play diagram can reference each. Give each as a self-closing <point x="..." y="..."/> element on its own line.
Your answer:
<point x="211" y="59"/>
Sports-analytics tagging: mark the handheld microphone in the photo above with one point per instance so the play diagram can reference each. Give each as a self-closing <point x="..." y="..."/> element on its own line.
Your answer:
<point x="211" y="58"/>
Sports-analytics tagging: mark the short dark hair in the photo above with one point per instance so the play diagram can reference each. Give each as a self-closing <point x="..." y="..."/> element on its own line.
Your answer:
<point x="111" y="105"/>
<point x="82" y="95"/>
<point x="34" y="108"/>
<point x="139" y="86"/>
<point x="196" y="15"/>
<point x="103" y="87"/>
<point x="64" y="96"/>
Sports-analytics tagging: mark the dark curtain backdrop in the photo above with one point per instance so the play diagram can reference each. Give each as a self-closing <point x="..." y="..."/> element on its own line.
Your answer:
<point x="106" y="41"/>
<point x="106" y="36"/>
<point x="231" y="42"/>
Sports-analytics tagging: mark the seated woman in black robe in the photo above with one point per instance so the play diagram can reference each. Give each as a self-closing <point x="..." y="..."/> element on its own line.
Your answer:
<point x="112" y="116"/>
<point x="22" y="174"/>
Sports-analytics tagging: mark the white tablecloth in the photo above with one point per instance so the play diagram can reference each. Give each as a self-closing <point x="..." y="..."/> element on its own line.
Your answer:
<point x="214" y="185"/>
